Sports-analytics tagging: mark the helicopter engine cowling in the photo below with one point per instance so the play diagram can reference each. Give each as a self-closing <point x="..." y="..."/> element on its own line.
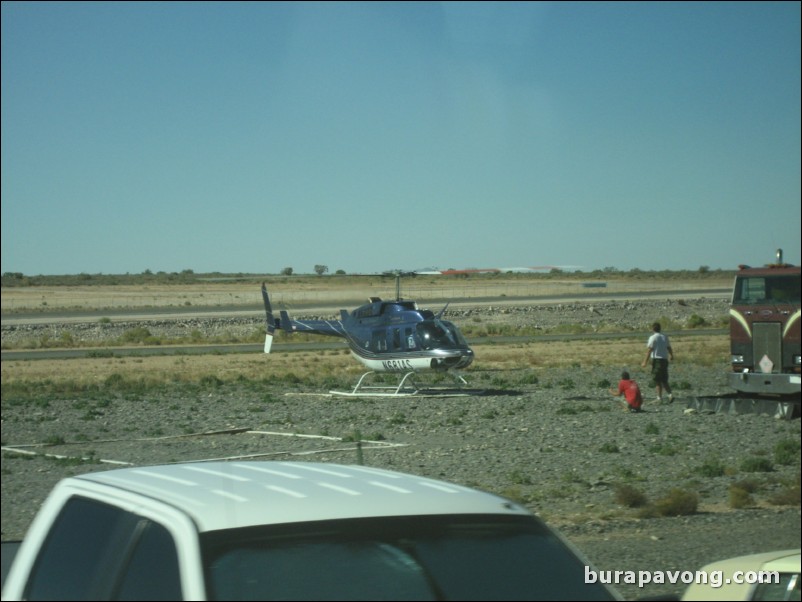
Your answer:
<point x="448" y="363"/>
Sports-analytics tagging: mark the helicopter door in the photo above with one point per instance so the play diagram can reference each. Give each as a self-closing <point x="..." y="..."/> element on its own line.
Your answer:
<point x="378" y="341"/>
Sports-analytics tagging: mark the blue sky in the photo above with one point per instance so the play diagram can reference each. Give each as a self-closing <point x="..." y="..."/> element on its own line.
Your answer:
<point x="250" y="137"/>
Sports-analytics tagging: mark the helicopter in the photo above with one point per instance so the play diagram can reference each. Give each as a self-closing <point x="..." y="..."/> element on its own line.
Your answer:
<point x="387" y="336"/>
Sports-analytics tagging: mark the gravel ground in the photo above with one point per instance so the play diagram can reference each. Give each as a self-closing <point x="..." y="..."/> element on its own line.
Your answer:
<point x="556" y="441"/>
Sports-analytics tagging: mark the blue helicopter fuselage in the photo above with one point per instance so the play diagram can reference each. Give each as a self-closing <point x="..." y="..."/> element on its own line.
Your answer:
<point x="396" y="336"/>
<point x="388" y="336"/>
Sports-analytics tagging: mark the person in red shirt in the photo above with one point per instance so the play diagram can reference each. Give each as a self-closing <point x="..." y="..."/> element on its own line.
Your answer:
<point x="631" y="392"/>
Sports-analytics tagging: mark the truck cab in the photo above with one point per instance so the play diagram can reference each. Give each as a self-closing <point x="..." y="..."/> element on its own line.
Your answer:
<point x="765" y="330"/>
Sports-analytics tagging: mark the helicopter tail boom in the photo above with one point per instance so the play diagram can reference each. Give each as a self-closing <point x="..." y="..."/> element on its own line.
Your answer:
<point x="288" y="325"/>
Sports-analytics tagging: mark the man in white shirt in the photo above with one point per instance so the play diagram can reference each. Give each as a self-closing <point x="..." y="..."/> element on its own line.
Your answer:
<point x="660" y="353"/>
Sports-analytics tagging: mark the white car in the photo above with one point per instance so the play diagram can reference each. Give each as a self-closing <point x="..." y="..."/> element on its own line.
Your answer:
<point x="290" y="531"/>
<point x="767" y="576"/>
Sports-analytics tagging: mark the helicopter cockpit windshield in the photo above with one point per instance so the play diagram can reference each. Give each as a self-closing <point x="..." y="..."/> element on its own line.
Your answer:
<point x="440" y="334"/>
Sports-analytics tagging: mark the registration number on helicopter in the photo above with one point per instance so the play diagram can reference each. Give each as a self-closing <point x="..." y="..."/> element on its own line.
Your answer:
<point x="397" y="365"/>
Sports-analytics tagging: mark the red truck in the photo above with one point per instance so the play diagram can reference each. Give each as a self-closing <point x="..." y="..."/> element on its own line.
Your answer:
<point x="765" y="330"/>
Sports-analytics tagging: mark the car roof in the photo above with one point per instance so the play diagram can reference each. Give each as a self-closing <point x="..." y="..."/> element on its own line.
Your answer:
<point x="223" y="495"/>
<point x="789" y="561"/>
<point x="777" y="560"/>
<point x="783" y="561"/>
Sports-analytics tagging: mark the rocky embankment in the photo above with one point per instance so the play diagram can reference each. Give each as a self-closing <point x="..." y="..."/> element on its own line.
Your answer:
<point x="609" y="316"/>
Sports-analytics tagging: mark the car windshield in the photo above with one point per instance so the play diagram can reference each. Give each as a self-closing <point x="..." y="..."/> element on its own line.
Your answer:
<point x="786" y="586"/>
<point x="397" y="558"/>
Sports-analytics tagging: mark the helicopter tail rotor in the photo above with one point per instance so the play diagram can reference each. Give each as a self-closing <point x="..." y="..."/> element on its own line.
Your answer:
<point x="271" y="323"/>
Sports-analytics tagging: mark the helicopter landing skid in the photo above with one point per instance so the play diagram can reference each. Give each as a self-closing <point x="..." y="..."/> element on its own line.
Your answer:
<point x="407" y="387"/>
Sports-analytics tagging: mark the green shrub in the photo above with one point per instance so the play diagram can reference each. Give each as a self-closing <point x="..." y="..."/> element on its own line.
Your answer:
<point x="499" y="382"/>
<point x="520" y="478"/>
<point x="95" y="353"/>
<point x="516" y="495"/>
<point x="747" y="485"/>
<point x="756" y="464"/>
<point x="711" y="468"/>
<point x="399" y="418"/>
<point x="115" y="380"/>
<point x="740" y="498"/>
<point x="54" y="440"/>
<point x="629" y="496"/>
<point x="140" y="334"/>
<point x="696" y="321"/>
<point x="566" y="384"/>
<point x="210" y="380"/>
<point x="352" y="437"/>
<point x="628" y="474"/>
<point x="678" y="502"/>
<point x="663" y="449"/>
<point x="786" y="452"/>
<point x="787" y="497"/>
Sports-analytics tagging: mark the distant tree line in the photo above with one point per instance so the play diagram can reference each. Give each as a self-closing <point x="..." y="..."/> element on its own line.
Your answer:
<point x="83" y="279"/>
<point x="16" y="279"/>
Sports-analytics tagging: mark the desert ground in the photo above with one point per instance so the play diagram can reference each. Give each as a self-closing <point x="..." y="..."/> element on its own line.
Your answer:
<point x="672" y="488"/>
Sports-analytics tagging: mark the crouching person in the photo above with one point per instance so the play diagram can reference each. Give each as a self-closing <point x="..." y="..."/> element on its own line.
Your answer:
<point x="633" y="400"/>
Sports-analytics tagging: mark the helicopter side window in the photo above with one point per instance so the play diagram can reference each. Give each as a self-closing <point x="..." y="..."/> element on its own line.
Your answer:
<point x="410" y="337"/>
